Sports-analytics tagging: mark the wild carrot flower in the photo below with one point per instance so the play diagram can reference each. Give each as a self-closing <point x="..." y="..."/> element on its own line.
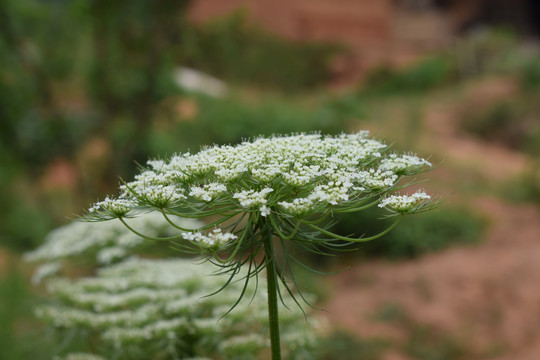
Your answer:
<point x="283" y="188"/>
<point x="286" y="187"/>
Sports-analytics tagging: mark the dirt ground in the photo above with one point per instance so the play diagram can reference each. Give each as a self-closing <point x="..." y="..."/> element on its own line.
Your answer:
<point x="487" y="296"/>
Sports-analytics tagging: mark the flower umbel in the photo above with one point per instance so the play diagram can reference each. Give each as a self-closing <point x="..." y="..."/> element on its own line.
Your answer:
<point x="295" y="173"/>
<point x="213" y="240"/>
<point x="115" y="207"/>
<point x="404" y="203"/>
<point x="284" y="188"/>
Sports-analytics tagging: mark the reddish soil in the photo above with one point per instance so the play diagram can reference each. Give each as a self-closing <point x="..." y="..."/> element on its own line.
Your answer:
<point x="492" y="161"/>
<point x="486" y="297"/>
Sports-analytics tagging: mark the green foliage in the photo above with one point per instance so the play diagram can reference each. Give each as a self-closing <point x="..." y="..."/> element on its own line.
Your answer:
<point x="34" y="127"/>
<point x="344" y="346"/>
<point x="526" y="187"/>
<point x="495" y="122"/>
<point x="530" y="76"/>
<point x="75" y="70"/>
<point x="390" y="313"/>
<point x="20" y="336"/>
<point x="121" y="57"/>
<point x="229" y="121"/>
<point x="514" y="123"/>
<point x="12" y="299"/>
<point x="40" y="139"/>
<point x="22" y="226"/>
<point x="422" y="342"/>
<point x="489" y="51"/>
<point x="240" y="52"/>
<point x="425" y="343"/>
<point x="419" y="78"/>
<point x="417" y="235"/>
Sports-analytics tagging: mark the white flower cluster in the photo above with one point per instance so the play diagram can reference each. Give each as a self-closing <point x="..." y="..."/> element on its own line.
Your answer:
<point x="299" y="206"/>
<point x="377" y="179"/>
<point x="250" y="199"/>
<point x="303" y="172"/>
<point x="333" y="193"/>
<point x="213" y="240"/>
<point x="161" y="195"/>
<point x="403" y="164"/>
<point x="207" y="192"/>
<point x="404" y="203"/>
<point x="157" y="306"/>
<point x="118" y="207"/>
<point x="107" y="242"/>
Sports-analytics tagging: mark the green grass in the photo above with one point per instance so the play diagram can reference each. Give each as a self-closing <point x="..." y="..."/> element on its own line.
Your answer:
<point x="230" y="120"/>
<point x="21" y="336"/>
<point x="525" y="187"/>
<point x="238" y="51"/>
<point x="425" y="343"/>
<point x="345" y="346"/>
<point x="419" y="78"/>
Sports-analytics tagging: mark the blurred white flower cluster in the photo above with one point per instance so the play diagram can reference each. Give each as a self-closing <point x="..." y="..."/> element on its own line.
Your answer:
<point x="103" y="243"/>
<point x="155" y="308"/>
<point x="143" y="308"/>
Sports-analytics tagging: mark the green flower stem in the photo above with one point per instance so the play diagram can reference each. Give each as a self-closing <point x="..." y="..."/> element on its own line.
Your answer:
<point x="165" y="238"/>
<point x="360" y="239"/>
<point x="271" y="276"/>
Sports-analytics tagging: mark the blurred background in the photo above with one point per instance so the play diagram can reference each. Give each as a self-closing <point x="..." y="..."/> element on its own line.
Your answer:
<point x="90" y="88"/>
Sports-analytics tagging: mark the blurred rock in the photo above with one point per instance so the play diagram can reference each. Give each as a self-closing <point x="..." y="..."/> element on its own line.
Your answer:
<point x="194" y="80"/>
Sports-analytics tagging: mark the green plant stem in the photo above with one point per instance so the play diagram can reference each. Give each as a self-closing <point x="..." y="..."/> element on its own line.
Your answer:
<point x="271" y="276"/>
